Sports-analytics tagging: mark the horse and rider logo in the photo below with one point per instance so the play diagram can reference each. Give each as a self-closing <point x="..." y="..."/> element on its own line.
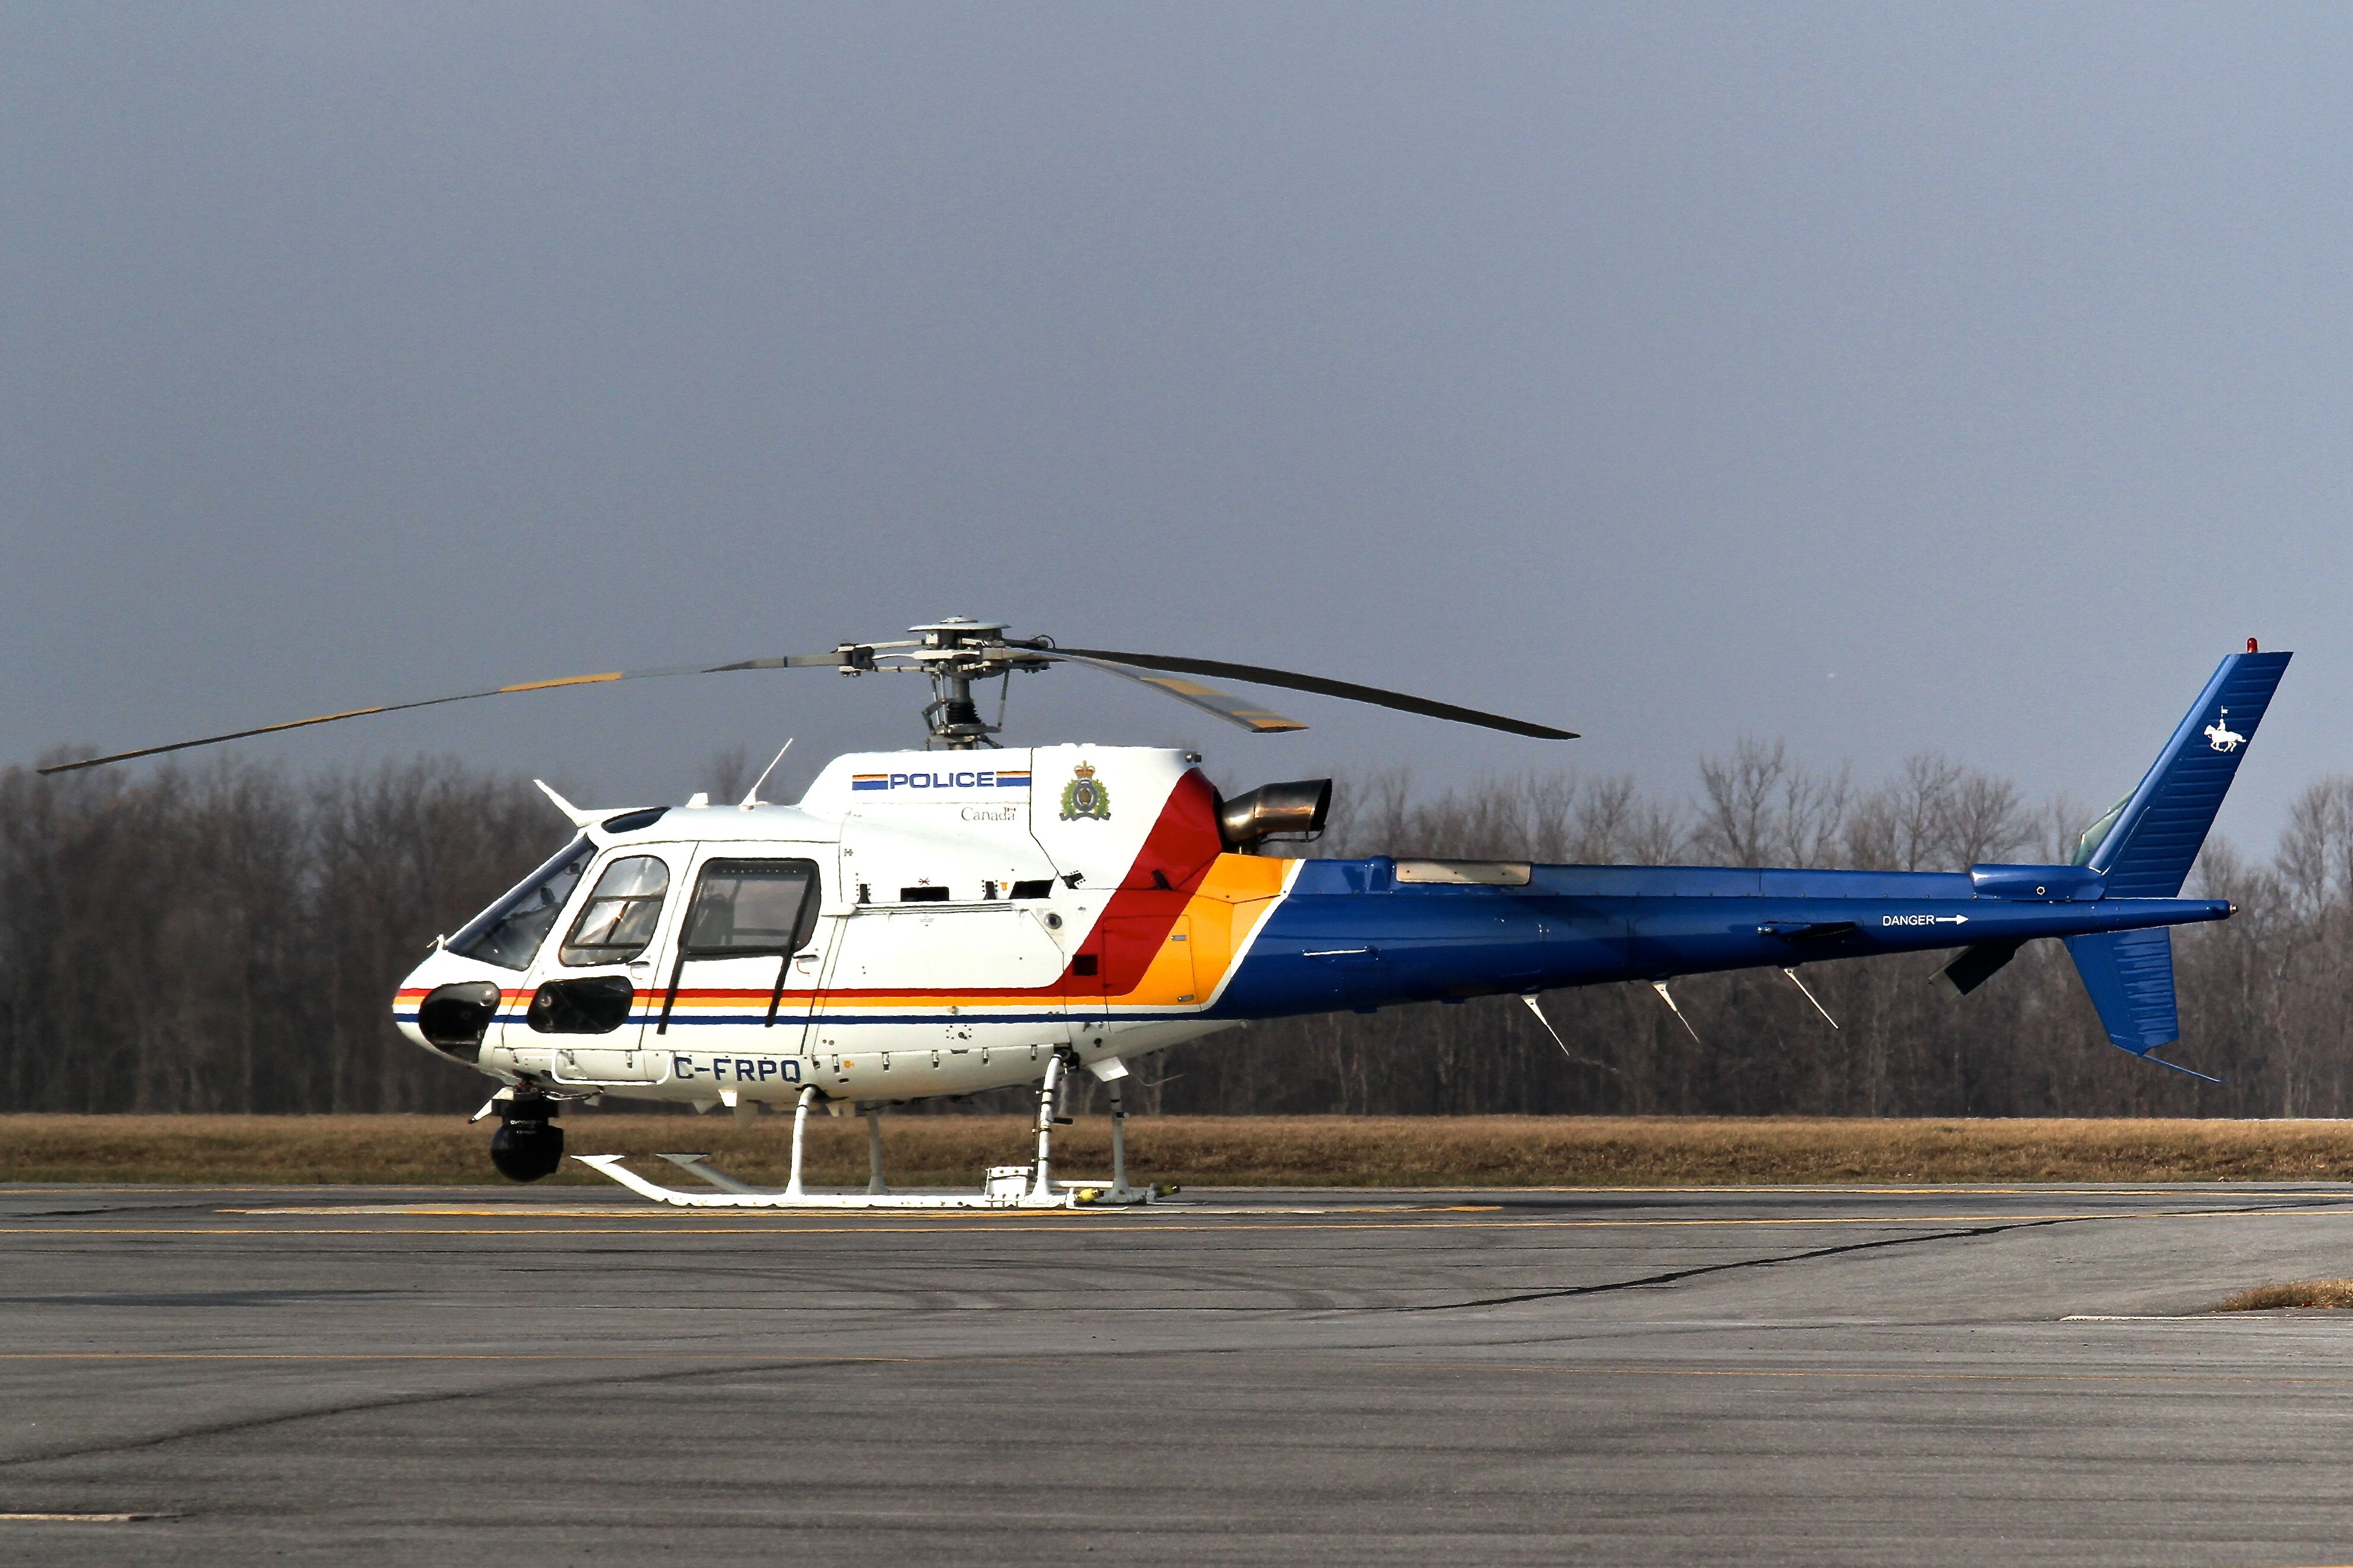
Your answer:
<point x="2220" y="736"/>
<point x="1084" y="796"/>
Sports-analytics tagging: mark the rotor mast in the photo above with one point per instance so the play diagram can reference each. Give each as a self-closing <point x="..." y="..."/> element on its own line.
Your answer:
<point x="956" y="652"/>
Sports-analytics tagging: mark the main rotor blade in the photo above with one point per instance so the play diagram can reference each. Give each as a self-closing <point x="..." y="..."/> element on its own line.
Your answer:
<point x="1322" y="687"/>
<point x="788" y="661"/>
<point x="1209" y="698"/>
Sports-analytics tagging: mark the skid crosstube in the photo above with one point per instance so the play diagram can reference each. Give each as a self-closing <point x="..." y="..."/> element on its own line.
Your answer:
<point x="731" y="1193"/>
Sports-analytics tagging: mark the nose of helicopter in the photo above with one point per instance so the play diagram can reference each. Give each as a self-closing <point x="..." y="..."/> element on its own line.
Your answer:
<point x="443" y="1010"/>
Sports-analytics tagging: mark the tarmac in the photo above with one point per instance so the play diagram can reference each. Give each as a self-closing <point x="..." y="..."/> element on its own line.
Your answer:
<point x="2000" y="1375"/>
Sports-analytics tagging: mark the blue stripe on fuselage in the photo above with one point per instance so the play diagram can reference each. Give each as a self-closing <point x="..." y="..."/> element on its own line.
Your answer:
<point x="1349" y="935"/>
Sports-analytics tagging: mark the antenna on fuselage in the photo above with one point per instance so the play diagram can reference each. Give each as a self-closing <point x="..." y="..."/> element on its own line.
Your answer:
<point x="1538" y="1008"/>
<point x="1669" y="998"/>
<point x="579" y="818"/>
<point x="752" y="797"/>
<point x="1791" y="971"/>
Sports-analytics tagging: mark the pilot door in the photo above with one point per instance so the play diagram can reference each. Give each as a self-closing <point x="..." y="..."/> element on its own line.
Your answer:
<point x="737" y="973"/>
<point x="590" y="984"/>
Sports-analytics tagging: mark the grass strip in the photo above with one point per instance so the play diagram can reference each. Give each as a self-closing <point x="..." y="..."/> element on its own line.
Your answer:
<point x="2303" y="1293"/>
<point x="1203" y="1151"/>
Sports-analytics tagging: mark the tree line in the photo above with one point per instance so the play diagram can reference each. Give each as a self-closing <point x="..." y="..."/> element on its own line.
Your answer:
<point x="228" y="938"/>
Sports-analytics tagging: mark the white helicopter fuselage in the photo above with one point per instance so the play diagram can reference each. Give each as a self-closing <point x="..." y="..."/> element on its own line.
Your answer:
<point x="922" y="924"/>
<point x="942" y="922"/>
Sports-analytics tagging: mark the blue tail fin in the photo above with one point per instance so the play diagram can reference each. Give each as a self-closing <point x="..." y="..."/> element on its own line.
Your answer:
<point x="2130" y="976"/>
<point x="2144" y="846"/>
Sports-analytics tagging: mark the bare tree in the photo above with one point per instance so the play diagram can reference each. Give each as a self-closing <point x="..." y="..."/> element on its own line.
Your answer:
<point x="228" y="938"/>
<point x="1760" y="808"/>
<point x="727" y="775"/>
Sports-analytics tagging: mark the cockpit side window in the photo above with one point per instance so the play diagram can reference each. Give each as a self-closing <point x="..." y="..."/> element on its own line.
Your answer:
<point x="619" y="919"/>
<point x="511" y="931"/>
<point x="743" y="907"/>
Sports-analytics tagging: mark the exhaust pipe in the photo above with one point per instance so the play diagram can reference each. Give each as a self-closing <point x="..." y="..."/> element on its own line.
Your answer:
<point x="1294" y="810"/>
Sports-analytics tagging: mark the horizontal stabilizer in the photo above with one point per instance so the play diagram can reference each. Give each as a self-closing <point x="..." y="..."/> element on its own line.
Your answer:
<point x="2129" y="975"/>
<point x="1973" y="966"/>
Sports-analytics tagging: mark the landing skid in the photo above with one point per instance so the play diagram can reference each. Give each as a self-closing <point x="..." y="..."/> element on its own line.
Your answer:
<point x="1009" y="1187"/>
<point x="735" y="1194"/>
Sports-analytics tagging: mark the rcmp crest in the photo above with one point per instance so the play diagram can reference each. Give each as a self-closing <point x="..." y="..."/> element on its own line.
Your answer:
<point x="1085" y="795"/>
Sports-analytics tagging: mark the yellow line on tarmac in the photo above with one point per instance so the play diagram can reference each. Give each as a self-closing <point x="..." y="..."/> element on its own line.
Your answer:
<point x="784" y="1225"/>
<point x="1521" y="1369"/>
<point x="645" y="1211"/>
<point x="1955" y="1190"/>
<point x="1450" y="1367"/>
<point x="1746" y="1189"/>
<point x="733" y="1358"/>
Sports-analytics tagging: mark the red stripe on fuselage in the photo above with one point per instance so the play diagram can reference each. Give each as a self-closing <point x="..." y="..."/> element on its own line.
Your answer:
<point x="1135" y="924"/>
<point x="1134" y="927"/>
<point x="1183" y="845"/>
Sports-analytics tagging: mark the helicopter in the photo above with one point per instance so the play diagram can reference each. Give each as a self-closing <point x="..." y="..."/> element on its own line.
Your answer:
<point x="971" y="917"/>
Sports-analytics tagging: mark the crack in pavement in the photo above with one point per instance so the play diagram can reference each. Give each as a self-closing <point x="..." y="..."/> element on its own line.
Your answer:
<point x="434" y="1396"/>
<point x="262" y="1422"/>
<point x="508" y="1389"/>
<point x="1673" y="1275"/>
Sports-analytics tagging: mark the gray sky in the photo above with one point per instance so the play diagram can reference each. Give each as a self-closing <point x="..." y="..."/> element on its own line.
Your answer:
<point x="1883" y="378"/>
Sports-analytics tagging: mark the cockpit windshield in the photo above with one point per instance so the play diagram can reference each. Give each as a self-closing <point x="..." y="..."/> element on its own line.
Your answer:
<point x="511" y="931"/>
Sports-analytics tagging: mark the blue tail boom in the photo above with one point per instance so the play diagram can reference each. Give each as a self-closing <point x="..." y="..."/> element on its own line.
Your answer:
<point x="1382" y="932"/>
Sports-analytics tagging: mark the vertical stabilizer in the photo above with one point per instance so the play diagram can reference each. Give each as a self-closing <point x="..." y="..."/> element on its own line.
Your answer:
<point x="2129" y="975"/>
<point x="2145" y="848"/>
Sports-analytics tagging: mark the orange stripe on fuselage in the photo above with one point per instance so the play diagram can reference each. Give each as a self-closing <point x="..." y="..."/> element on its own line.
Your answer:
<point x="1217" y="923"/>
<point x="1214" y="899"/>
<point x="1140" y="962"/>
